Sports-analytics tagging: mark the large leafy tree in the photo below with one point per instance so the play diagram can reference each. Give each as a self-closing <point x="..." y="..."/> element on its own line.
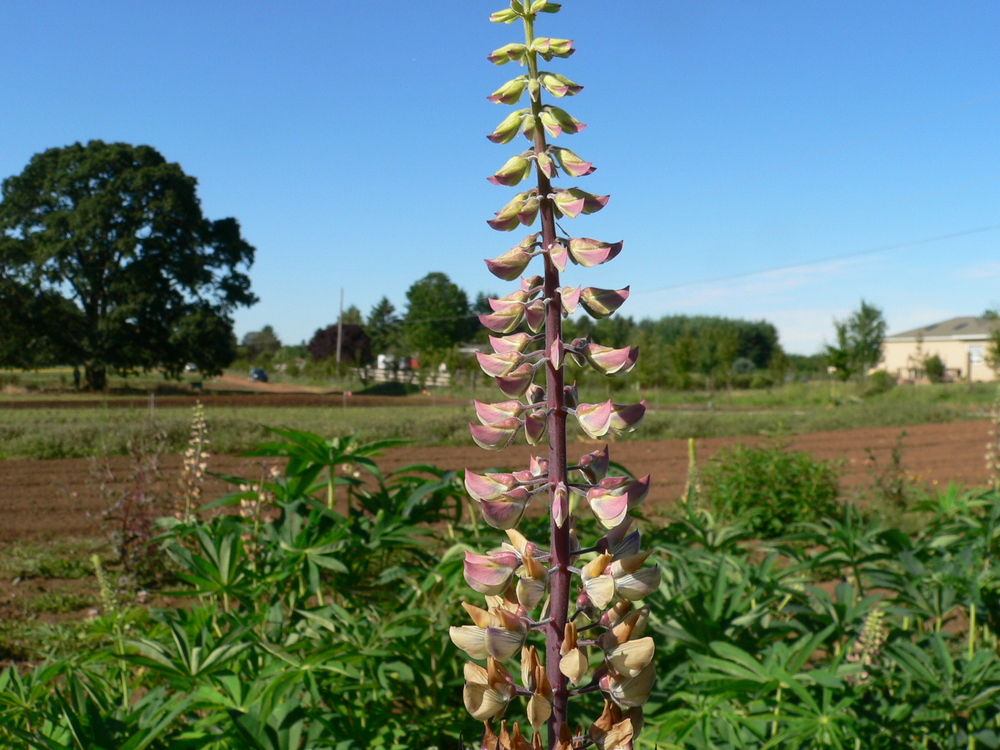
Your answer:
<point x="437" y="315"/>
<point x="106" y="261"/>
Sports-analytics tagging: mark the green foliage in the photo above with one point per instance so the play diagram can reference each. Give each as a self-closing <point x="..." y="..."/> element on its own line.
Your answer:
<point x="879" y="382"/>
<point x="769" y="653"/>
<point x="264" y="341"/>
<point x="676" y="346"/>
<point x="437" y="315"/>
<point x="110" y="264"/>
<point x="769" y="488"/>
<point x="308" y="628"/>
<point x="859" y="342"/>
<point x="384" y="328"/>
<point x="935" y="369"/>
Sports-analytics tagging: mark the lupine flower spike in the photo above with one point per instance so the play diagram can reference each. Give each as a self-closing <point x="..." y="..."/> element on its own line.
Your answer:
<point x="528" y="585"/>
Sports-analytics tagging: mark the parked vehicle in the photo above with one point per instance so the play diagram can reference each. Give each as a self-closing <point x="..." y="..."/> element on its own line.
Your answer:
<point x="258" y="375"/>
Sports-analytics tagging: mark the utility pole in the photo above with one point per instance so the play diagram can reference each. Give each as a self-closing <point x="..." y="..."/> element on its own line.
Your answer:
<point x="340" y="325"/>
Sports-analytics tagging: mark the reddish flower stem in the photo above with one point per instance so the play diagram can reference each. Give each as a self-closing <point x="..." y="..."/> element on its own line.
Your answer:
<point x="559" y="585"/>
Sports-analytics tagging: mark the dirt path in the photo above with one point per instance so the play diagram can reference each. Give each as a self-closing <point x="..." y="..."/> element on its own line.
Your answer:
<point x="48" y="499"/>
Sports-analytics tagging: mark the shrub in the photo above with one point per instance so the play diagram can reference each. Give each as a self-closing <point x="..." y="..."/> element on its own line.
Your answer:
<point x="769" y="487"/>
<point x="934" y="367"/>
<point x="880" y="382"/>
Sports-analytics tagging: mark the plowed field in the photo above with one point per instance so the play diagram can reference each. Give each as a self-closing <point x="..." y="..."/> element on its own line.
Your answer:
<point x="49" y="499"/>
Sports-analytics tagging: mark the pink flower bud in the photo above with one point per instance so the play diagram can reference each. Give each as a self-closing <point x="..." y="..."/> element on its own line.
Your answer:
<point x="613" y="496"/>
<point x="488" y="486"/>
<point x="534" y="314"/>
<point x="528" y="211"/>
<point x="608" y="361"/>
<point x="516" y="342"/>
<point x="573" y="164"/>
<point x="595" y="465"/>
<point x="626" y="417"/>
<point x="510" y="265"/>
<point x="515" y="383"/>
<point x="594" y="418"/>
<point x="493" y="413"/>
<point x="499" y="365"/>
<point x="533" y="284"/>
<point x="569" y="297"/>
<point x="503" y="322"/>
<point x="497" y="436"/>
<point x="560" y="504"/>
<point x="556" y="353"/>
<point x="546" y="165"/>
<point x="569" y="203"/>
<point x="589" y="253"/>
<point x="600" y="303"/>
<point x="534" y="428"/>
<point x="535" y="394"/>
<point x="489" y="574"/>
<point x="559" y="255"/>
<point x="570" y="396"/>
<point x="504" y="514"/>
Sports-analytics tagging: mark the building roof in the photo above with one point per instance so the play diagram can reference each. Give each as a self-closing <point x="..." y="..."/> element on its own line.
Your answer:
<point x="969" y="328"/>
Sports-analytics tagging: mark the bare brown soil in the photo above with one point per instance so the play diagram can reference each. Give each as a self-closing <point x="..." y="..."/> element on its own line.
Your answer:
<point x="61" y="498"/>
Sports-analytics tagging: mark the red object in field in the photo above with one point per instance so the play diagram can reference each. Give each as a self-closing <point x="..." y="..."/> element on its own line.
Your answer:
<point x="414" y="363"/>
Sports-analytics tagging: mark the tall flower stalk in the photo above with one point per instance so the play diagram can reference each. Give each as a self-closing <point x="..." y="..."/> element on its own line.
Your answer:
<point x="528" y="588"/>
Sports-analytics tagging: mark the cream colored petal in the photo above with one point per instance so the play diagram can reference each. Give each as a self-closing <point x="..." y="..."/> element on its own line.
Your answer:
<point x="619" y="737"/>
<point x="638" y="585"/>
<point x="475" y="674"/>
<point x="596" y="567"/>
<point x="502" y="644"/>
<point x="601" y="590"/>
<point x="530" y="592"/>
<point x="631" y="691"/>
<point x="575" y="665"/>
<point x="484" y="702"/>
<point x="470" y="639"/>
<point x="539" y="710"/>
<point x="632" y="657"/>
<point x="629" y="564"/>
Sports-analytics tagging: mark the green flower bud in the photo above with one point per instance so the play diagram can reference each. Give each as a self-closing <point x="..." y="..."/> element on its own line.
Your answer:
<point x="507" y="53"/>
<point x="510" y="92"/>
<point x="507" y="129"/>
<point x="558" y="85"/>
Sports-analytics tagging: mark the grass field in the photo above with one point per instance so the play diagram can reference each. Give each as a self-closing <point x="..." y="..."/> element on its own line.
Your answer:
<point x="85" y="431"/>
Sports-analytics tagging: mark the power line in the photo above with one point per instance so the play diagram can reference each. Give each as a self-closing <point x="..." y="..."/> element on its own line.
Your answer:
<point x="867" y="209"/>
<point x="844" y="256"/>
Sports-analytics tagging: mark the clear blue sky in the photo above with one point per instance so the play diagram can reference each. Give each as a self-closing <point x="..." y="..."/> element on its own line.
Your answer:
<point x="733" y="137"/>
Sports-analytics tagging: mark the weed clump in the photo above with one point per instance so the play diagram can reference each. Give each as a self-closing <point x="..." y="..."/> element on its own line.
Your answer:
<point x="767" y="488"/>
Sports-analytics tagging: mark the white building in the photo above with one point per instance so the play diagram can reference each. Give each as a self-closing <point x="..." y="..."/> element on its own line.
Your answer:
<point x="960" y="343"/>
